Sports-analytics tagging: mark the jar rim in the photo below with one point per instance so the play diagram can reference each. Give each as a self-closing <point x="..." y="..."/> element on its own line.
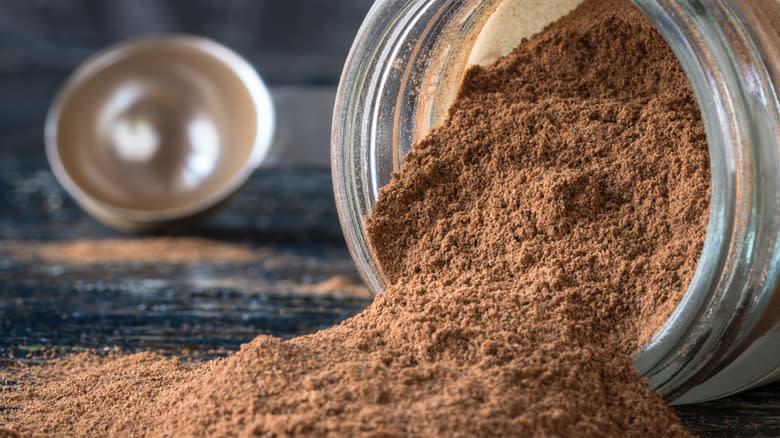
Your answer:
<point x="711" y="320"/>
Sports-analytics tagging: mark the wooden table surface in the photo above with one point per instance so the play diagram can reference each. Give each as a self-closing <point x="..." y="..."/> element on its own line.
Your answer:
<point x="200" y="307"/>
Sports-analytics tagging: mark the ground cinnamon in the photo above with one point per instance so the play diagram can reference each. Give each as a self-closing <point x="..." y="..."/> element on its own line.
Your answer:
<point x="533" y="242"/>
<point x="146" y="250"/>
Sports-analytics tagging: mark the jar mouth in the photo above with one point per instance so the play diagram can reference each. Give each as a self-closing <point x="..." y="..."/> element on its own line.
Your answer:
<point x="695" y="355"/>
<point x="409" y="46"/>
<point x="652" y="359"/>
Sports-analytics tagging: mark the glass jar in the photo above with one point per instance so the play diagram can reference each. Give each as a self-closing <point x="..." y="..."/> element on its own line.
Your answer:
<point x="405" y="66"/>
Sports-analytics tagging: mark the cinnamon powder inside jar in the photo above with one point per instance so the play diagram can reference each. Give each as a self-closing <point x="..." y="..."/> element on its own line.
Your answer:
<point x="532" y="244"/>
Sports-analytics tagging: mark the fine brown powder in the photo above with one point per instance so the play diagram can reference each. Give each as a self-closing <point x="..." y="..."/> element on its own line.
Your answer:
<point x="532" y="244"/>
<point x="148" y="250"/>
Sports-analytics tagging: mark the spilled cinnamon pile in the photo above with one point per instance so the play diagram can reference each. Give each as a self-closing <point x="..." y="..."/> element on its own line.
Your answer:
<point x="532" y="244"/>
<point x="147" y="250"/>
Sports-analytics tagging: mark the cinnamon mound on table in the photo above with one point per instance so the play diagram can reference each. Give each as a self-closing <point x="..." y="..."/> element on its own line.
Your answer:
<point x="532" y="244"/>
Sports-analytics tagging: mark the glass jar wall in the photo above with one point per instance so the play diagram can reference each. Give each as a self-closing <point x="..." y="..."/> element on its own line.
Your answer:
<point x="406" y="65"/>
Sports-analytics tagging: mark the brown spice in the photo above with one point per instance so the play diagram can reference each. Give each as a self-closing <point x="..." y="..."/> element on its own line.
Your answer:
<point x="338" y="285"/>
<point x="533" y="243"/>
<point x="150" y="250"/>
<point x="90" y="387"/>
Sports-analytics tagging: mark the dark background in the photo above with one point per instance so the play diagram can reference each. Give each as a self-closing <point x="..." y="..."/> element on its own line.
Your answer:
<point x="298" y="47"/>
<point x="289" y="42"/>
<point x="286" y="210"/>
